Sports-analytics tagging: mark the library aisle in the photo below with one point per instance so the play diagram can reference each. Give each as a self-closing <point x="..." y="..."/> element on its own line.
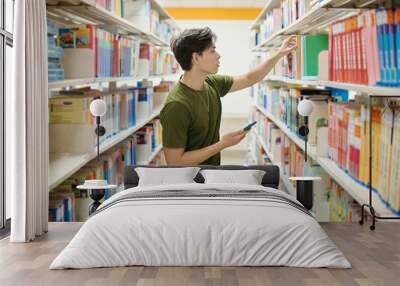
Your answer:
<point x="339" y="64"/>
<point x="211" y="134"/>
<point x="346" y="66"/>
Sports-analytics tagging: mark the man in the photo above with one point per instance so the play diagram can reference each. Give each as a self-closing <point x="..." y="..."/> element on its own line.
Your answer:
<point x="191" y="116"/>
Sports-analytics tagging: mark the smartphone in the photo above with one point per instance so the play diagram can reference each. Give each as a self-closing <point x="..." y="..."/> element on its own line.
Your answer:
<point x="247" y="128"/>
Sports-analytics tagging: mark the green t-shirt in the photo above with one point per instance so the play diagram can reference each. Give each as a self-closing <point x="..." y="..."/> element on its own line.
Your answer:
<point x="191" y="119"/>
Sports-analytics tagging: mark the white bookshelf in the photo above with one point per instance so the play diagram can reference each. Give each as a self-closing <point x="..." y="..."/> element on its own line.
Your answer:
<point x="163" y="13"/>
<point x="271" y="4"/>
<point x="152" y="156"/>
<point x="63" y="165"/>
<point x="265" y="147"/>
<point x="75" y="12"/>
<point x="359" y="88"/>
<point x="85" y="81"/>
<point x="314" y="21"/>
<point x="284" y="178"/>
<point x="356" y="190"/>
<point x="87" y="11"/>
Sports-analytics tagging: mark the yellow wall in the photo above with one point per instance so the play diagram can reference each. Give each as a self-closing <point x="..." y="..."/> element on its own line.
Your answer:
<point x="213" y="13"/>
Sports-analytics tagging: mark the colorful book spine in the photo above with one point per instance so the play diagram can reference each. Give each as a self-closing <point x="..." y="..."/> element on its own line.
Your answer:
<point x="348" y="138"/>
<point x="364" y="49"/>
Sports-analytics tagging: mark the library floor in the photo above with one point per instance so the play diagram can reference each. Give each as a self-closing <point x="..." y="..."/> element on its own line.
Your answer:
<point x="375" y="257"/>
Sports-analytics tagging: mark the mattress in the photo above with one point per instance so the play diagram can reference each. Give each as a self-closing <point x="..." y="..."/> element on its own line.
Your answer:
<point x="201" y="225"/>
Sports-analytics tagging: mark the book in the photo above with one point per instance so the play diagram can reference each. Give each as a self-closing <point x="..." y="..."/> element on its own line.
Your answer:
<point x="312" y="46"/>
<point x="66" y="37"/>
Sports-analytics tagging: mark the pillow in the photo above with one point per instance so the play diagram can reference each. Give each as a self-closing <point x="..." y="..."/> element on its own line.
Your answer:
<point x="248" y="177"/>
<point x="166" y="176"/>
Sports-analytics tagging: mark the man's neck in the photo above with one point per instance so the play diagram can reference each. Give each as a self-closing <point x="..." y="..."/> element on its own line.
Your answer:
<point x="194" y="79"/>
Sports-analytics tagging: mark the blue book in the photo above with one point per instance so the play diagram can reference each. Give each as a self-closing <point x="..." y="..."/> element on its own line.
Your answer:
<point x="67" y="208"/>
<point x="392" y="60"/>
<point x="386" y="48"/>
<point x="397" y="56"/>
<point x="380" y="32"/>
<point x="106" y="170"/>
<point x="51" y="28"/>
<point x="130" y="108"/>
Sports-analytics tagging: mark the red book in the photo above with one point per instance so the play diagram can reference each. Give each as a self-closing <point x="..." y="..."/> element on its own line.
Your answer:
<point x="343" y="53"/>
<point x="94" y="45"/>
<point x="332" y="58"/>
<point x="115" y="67"/>
<point x="363" y="63"/>
<point x="358" y="53"/>
<point x="101" y="3"/>
<point x="352" y="70"/>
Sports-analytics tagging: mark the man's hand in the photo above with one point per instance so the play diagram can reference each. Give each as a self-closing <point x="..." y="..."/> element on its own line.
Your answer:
<point x="287" y="46"/>
<point x="257" y="74"/>
<point x="233" y="138"/>
<point x="178" y="156"/>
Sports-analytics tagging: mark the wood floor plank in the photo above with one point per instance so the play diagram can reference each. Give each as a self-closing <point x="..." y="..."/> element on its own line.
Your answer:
<point x="375" y="259"/>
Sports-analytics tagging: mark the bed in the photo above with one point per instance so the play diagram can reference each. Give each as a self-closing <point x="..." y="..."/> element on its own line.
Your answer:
<point x="197" y="224"/>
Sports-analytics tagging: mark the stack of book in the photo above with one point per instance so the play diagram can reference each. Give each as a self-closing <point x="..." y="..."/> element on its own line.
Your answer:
<point x="141" y="14"/>
<point x="65" y="207"/>
<point x="155" y="61"/>
<point x="364" y="49"/>
<point x="288" y="114"/>
<point x="62" y="206"/>
<point x="349" y="146"/>
<point x="268" y="98"/>
<point x="55" y="54"/>
<point x="293" y="10"/>
<point x="145" y="143"/>
<point x="115" y="6"/>
<point x="342" y="207"/>
<point x="305" y="62"/>
<point x="271" y="24"/>
<point x="92" y="52"/>
<point x="72" y="125"/>
<point x="281" y="17"/>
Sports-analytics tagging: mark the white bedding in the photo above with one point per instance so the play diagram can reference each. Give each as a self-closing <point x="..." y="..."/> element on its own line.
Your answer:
<point x="200" y="231"/>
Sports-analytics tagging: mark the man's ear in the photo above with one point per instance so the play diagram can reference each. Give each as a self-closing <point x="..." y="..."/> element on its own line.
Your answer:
<point x="195" y="58"/>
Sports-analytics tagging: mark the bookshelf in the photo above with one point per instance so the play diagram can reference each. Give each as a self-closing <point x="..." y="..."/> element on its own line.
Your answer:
<point x="152" y="156"/>
<point x="359" y="88"/>
<point x="163" y="13"/>
<point x="63" y="165"/>
<point x="284" y="178"/>
<point x="314" y="21"/>
<point x="355" y="189"/>
<point x="122" y="42"/>
<point x="85" y="81"/>
<point x="271" y="4"/>
<point x="76" y="12"/>
<point x="87" y="11"/>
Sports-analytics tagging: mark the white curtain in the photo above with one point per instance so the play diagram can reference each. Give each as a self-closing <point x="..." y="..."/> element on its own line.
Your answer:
<point x="27" y="148"/>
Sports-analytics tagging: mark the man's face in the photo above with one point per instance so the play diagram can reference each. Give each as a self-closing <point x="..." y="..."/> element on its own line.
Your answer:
<point x="208" y="61"/>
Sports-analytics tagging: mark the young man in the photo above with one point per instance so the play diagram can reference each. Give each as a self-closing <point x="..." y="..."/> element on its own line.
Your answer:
<point x="191" y="116"/>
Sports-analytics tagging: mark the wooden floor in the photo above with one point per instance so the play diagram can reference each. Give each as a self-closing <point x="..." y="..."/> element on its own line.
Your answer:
<point x="375" y="257"/>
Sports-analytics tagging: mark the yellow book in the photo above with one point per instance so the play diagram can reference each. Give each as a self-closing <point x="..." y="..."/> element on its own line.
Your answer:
<point x="394" y="187"/>
<point x="376" y="148"/>
<point x="118" y="8"/>
<point x="386" y="149"/>
<point x="364" y="159"/>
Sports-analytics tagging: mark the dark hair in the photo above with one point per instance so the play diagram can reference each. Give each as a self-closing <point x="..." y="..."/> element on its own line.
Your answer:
<point x="191" y="41"/>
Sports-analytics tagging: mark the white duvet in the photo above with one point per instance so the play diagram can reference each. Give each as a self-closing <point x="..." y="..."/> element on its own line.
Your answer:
<point x="200" y="231"/>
